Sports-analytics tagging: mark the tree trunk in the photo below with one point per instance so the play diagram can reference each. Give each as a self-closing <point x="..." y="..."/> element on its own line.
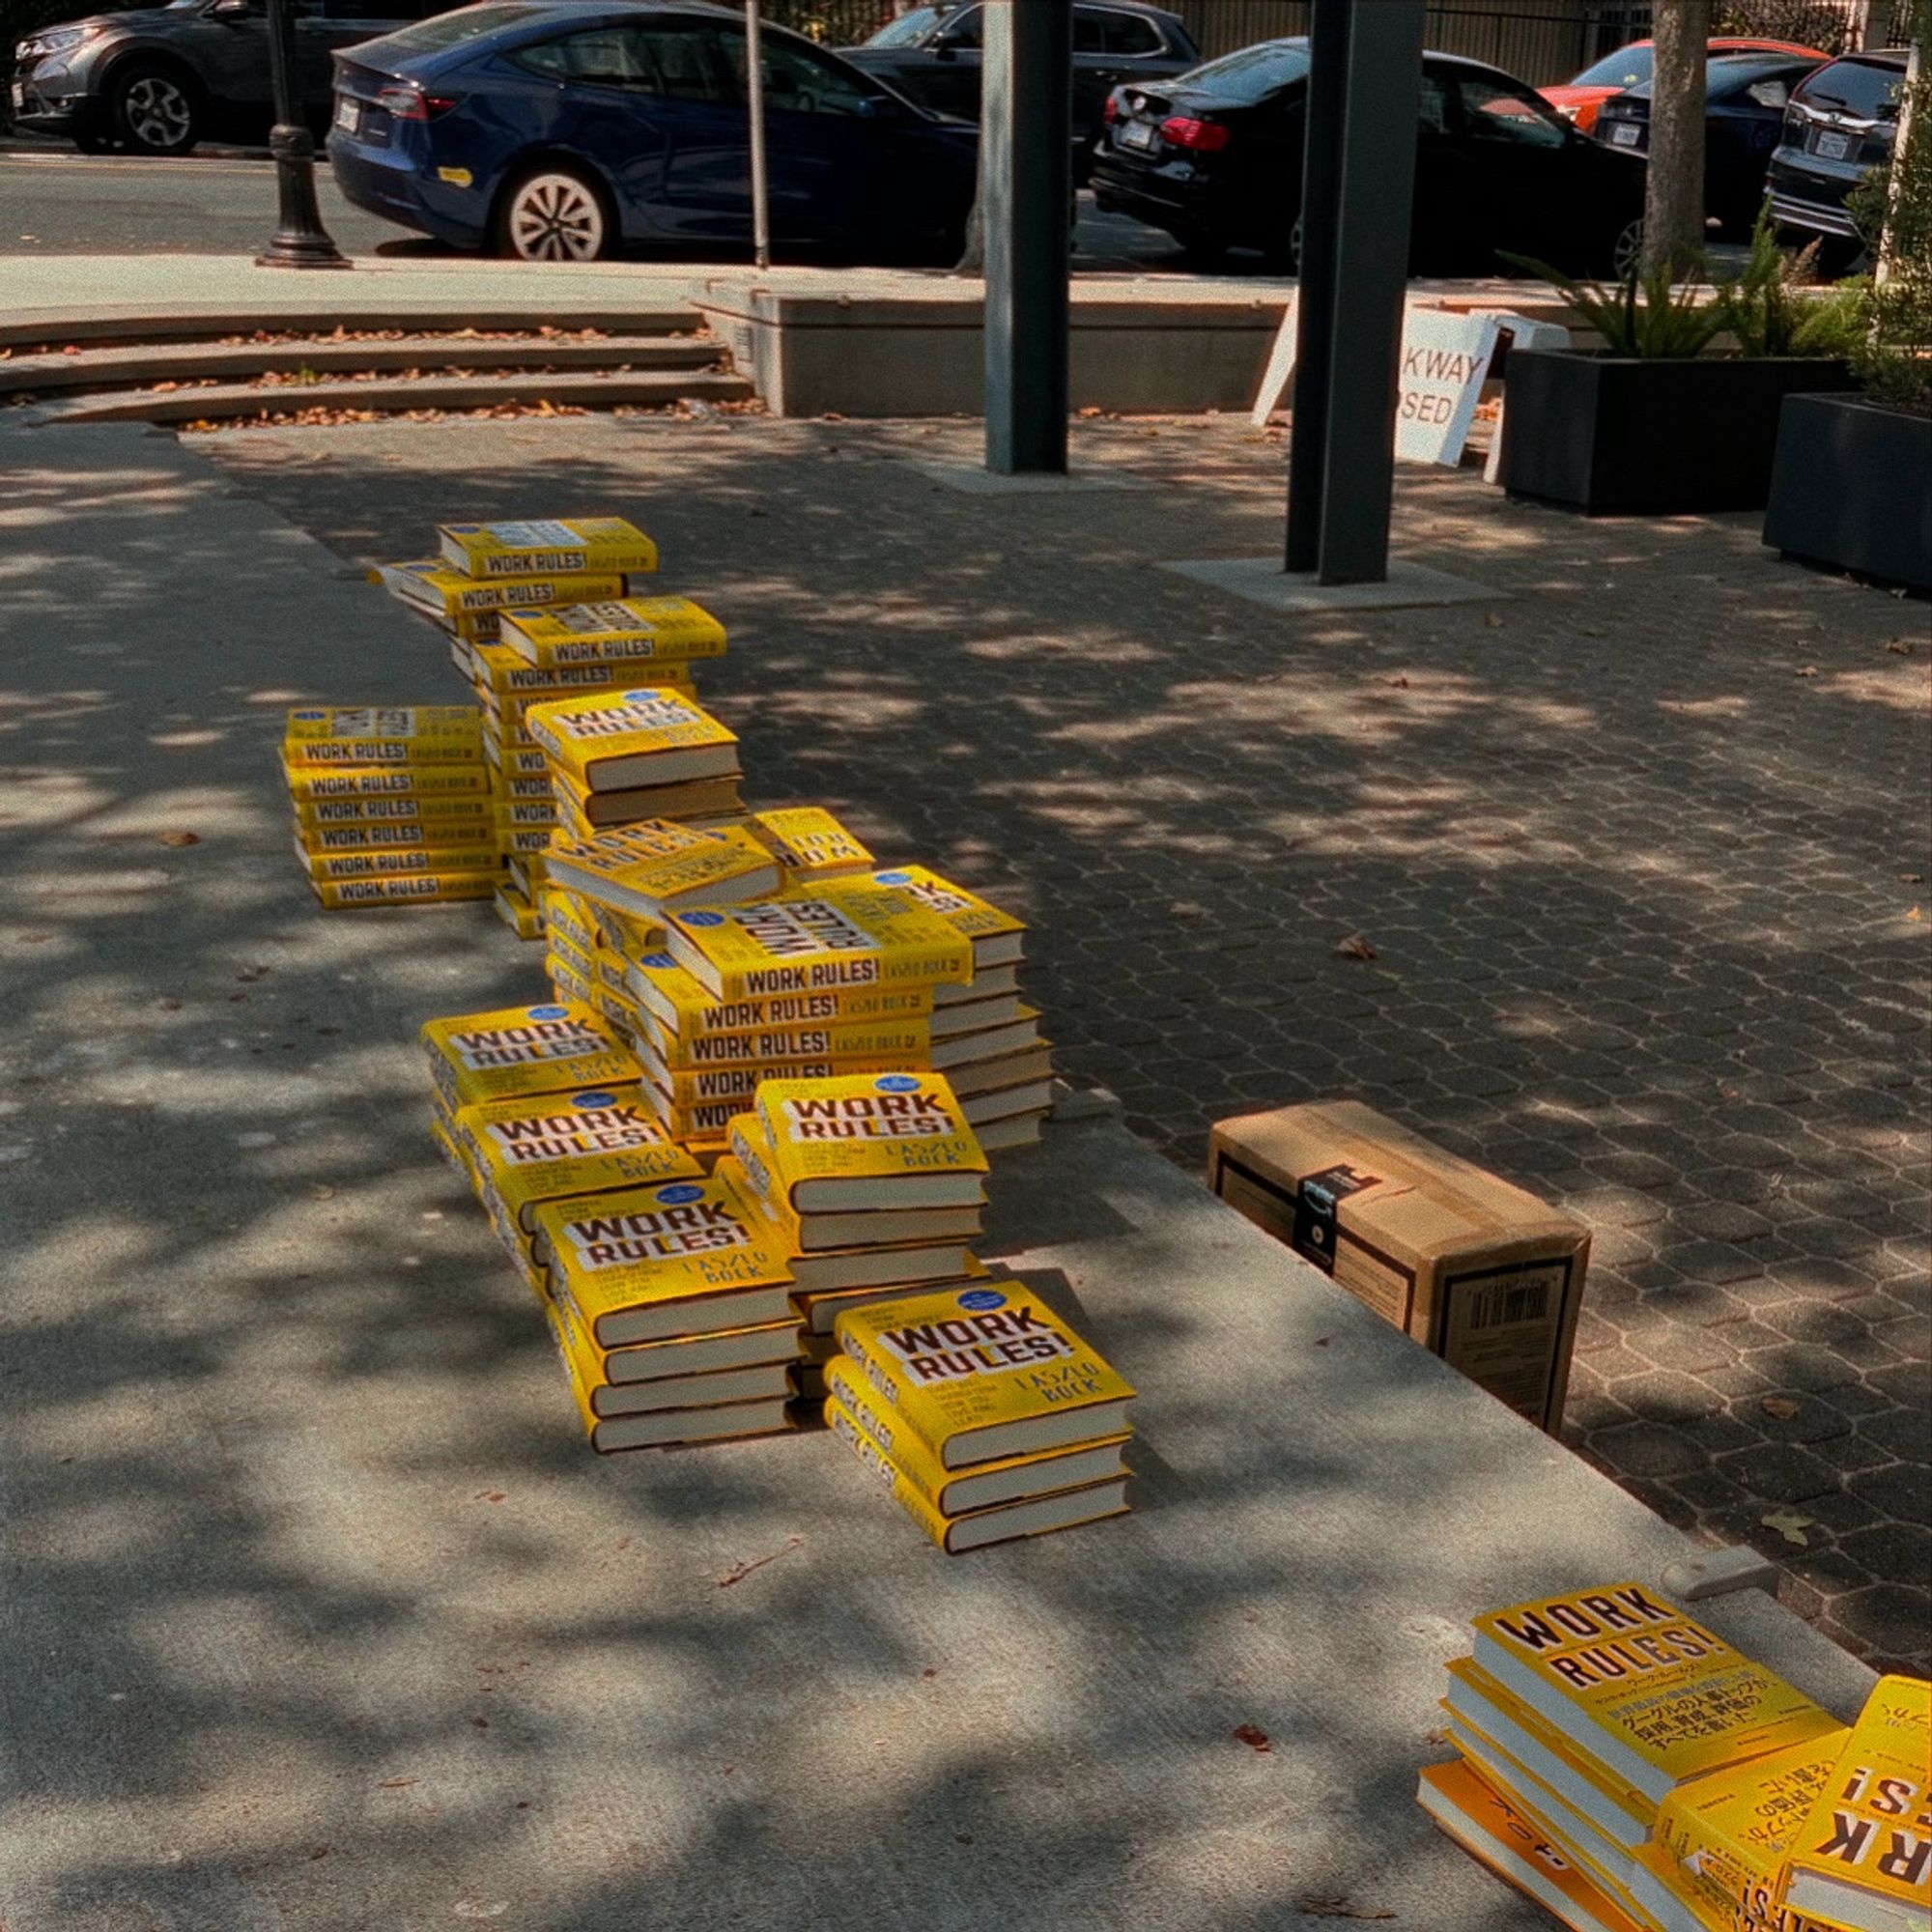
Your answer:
<point x="1673" y="213"/>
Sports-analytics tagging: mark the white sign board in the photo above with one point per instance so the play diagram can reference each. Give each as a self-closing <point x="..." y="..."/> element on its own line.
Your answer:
<point x="1444" y="359"/>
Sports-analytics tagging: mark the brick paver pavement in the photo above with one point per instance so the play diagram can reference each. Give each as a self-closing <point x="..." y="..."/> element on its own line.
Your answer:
<point x="1642" y="849"/>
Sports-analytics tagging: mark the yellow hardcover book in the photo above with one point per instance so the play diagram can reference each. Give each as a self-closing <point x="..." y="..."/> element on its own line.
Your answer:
<point x="843" y="933"/>
<point x="685" y="1009"/>
<point x="1001" y="1523"/>
<point x="687" y="1085"/>
<point x="1498" y="1835"/>
<point x="456" y="817"/>
<point x="432" y="586"/>
<point x="623" y="632"/>
<point x="568" y="980"/>
<point x="396" y="734"/>
<point x="556" y="1047"/>
<point x="555" y="1146"/>
<point x="998" y="937"/>
<point x="655" y="735"/>
<point x="651" y="870"/>
<point x="1725" y="1835"/>
<point x="860" y="1141"/>
<point x="566" y="913"/>
<point x="809" y="843"/>
<point x="406" y="889"/>
<point x="503" y="671"/>
<point x="307" y="786"/>
<point x="683" y="1258"/>
<point x="1862" y="1858"/>
<point x="382" y="864"/>
<point x="983" y="1373"/>
<point x="515" y="910"/>
<point x="546" y="547"/>
<point x="1649" y="1692"/>
<point x="902" y="1042"/>
<point x="655" y="1429"/>
<point x="953" y="1493"/>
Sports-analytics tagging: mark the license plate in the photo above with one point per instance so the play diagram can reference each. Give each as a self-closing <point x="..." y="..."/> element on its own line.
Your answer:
<point x="348" y="114"/>
<point x="1829" y="146"/>
<point x="1139" y="134"/>
<point x="1623" y="134"/>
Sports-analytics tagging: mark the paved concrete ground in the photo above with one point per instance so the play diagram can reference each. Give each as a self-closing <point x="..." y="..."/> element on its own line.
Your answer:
<point x="1642" y="849"/>
<point x="317" y="1615"/>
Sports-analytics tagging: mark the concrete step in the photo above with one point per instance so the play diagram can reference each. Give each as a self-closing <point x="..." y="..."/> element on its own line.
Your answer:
<point x="164" y="326"/>
<point x="227" y="401"/>
<point x="124" y="366"/>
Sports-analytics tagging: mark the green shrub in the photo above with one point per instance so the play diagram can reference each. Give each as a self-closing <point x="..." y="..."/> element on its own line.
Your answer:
<point x="1894" y="356"/>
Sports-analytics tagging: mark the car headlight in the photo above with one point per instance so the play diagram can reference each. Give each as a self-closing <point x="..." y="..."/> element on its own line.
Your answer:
<point x="56" y="40"/>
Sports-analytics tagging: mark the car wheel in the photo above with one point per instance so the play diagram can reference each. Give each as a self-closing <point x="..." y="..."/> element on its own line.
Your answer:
<point x="554" y="215"/>
<point x="155" y="111"/>
<point x="1627" y="248"/>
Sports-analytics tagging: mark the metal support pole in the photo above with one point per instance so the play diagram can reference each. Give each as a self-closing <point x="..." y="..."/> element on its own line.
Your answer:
<point x="300" y="240"/>
<point x="754" y="97"/>
<point x="1383" y="68"/>
<point x="1315" y="277"/>
<point x="1027" y="187"/>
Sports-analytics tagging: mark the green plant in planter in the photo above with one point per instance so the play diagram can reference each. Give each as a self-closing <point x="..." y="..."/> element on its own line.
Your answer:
<point x="1768" y="307"/>
<point x="1893" y="356"/>
<point x="1642" y="316"/>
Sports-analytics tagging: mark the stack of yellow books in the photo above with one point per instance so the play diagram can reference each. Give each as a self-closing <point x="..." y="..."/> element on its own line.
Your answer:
<point x="985" y="1038"/>
<point x="876" y="1185"/>
<point x="1667" y="1771"/>
<point x="830" y="978"/>
<point x="670" y="1306"/>
<point x="392" y="803"/>
<point x="982" y="1412"/>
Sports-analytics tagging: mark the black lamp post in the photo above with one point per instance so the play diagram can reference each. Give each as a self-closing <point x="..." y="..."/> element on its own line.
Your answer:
<point x="300" y="240"/>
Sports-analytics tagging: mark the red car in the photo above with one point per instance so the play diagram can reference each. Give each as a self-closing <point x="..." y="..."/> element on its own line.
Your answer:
<point x="1630" y="67"/>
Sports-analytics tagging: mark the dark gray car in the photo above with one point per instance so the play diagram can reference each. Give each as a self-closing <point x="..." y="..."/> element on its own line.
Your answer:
<point x="157" y="81"/>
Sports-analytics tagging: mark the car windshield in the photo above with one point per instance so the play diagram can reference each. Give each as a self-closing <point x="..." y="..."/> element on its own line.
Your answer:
<point x="1253" y="73"/>
<point x="1866" y="90"/>
<point x="1627" y="66"/>
<point x="442" y="31"/>
<point x="909" y="29"/>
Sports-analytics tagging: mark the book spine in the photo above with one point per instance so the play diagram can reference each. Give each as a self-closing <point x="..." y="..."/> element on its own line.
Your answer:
<point x="890" y="1391"/>
<point x="840" y="1420"/>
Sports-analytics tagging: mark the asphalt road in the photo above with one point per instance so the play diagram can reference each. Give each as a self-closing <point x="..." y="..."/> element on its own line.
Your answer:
<point x="56" y="201"/>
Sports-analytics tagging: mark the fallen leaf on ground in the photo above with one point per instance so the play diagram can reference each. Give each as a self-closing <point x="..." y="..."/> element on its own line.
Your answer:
<point x="180" y="837"/>
<point x="1254" y="1737"/>
<point x="393" y="1783"/>
<point x="1808" y="670"/>
<point x="738" y="1574"/>
<point x="1780" y="1406"/>
<point x="1902" y="645"/>
<point x="1337" y="1908"/>
<point x="1400" y="683"/>
<point x="1790" y="1525"/>
<point x="322" y="1191"/>
<point x="1356" y="946"/>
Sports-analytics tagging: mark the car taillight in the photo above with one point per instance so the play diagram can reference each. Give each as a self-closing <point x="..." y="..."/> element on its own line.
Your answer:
<point x="1111" y="112"/>
<point x="405" y="103"/>
<point x="1204" y="137"/>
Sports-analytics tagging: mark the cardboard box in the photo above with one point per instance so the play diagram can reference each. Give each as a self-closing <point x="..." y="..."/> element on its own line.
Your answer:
<point x="1479" y="1272"/>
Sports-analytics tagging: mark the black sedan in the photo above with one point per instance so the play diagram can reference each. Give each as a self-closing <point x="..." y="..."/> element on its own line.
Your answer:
<point x="1745" y="99"/>
<point x="1214" y="158"/>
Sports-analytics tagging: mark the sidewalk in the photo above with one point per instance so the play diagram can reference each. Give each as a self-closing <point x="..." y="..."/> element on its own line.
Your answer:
<point x="318" y="1612"/>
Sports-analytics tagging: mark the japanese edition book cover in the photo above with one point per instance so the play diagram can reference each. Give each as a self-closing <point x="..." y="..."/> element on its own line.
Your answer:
<point x="556" y="1146"/>
<point x="980" y="1374"/>
<point x="952" y="1492"/>
<point x="1496" y="1835"/>
<point x="625" y="630"/>
<point x="318" y="735"/>
<point x="1863" y="1857"/>
<point x="844" y="934"/>
<point x="1648" y="1691"/>
<point x="682" y="1258"/>
<point x="860" y="1141"/>
<point x="647" y="736"/>
<point x="1000" y="1522"/>
<point x="546" y="548"/>
<point x="557" y="1047"/>
<point x="657" y="868"/>
<point x="998" y="937"/>
<point x="809" y="843"/>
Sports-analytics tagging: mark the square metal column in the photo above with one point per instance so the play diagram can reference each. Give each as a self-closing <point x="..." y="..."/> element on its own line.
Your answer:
<point x="1358" y="192"/>
<point x="1027" y="187"/>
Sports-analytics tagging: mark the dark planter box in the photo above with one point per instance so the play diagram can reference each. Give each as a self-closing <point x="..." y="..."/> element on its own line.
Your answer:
<point x="1609" y="435"/>
<point x="1853" y="487"/>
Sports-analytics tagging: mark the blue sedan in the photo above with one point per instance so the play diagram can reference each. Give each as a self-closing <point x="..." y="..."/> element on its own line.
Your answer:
<point x="562" y="130"/>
